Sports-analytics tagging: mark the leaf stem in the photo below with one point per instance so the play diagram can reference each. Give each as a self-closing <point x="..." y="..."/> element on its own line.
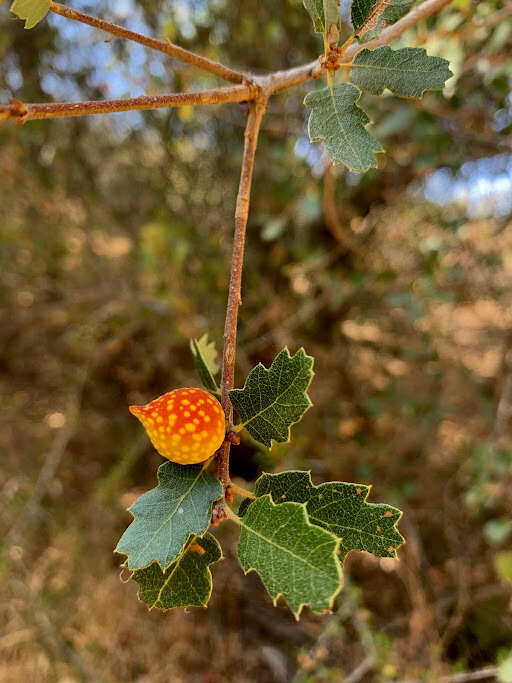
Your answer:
<point x="161" y="45"/>
<point x="242" y="492"/>
<point x="30" y="112"/>
<point x="256" y="111"/>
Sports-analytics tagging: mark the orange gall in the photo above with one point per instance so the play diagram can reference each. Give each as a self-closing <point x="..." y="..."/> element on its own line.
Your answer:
<point x="185" y="426"/>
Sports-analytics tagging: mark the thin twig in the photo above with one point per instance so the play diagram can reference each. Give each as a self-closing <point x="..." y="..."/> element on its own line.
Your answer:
<point x="256" y="112"/>
<point x="161" y="45"/>
<point x="30" y="112"/>
<point x="250" y="88"/>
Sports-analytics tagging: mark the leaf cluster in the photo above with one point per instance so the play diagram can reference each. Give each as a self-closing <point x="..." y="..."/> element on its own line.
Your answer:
<point x="293" y="534"/>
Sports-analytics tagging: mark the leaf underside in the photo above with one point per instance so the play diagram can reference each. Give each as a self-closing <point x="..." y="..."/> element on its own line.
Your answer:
<point x="273" y="399"/>
<point x="293" y="557"/>
<point x="166" y="516"/>
<point x="360" y="11"/>
<point x="187" y="582"/>
<point x="323" y="14"/>
<point x="204" y="354"/>
<point x="394" y="11"/>
<point x="407" y="72"/>
<point x="339" y="507"/>
<point x="336" y="120"/>
<point x="31" y="11"/>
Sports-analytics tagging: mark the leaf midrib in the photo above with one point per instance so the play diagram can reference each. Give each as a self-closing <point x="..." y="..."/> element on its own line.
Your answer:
<point x="289" y="552"/>
<point x="166" y="521"/>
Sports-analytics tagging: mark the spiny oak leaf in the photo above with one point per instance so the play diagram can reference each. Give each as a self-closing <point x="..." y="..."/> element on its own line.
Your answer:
<point x="339" y="507"/>
<point x="205" y="360"/>
<point x="293" y="557"/>
<point x="187" y="582"/>
<point x="167" y="515"/>
<point x="274" y="399"/>
<point x="31" y="11"/>
<point x="186" y="426"/>
<point x="337" y="120"/>
<point x="407" y="72"/>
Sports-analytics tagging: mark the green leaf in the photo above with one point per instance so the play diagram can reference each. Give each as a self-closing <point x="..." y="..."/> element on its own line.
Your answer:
<point x="205" y="355"/>
<point x="336" y="119"/>
<point x="323" y="13"/>
<point x="396" y="9"/>
<point x="294" y="558"/>
<point x="165" y="517"/>
<point x="32" y="11"/>
<point x="407" y="72"/>
<point x="187" y="582"/>
<point x="365" y="15"/>
<point x="340" y="508"/>
<point x="274" y="399"/>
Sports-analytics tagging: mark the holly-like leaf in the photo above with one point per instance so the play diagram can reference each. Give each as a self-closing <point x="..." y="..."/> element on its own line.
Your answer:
<point x="167" y="515"/>
<point x="205" y="360"/>
<point x="273" y="399"/>
<point x="187" y="582"/>
<point x="32" y="11"/>
<point x="323" y="13"/>
<point x="294" y="558"/>
<point x="407" y="72"/>
<point x="337" y="120"/>
<point x="340" y="508"/>
<point x="365" y="15"/>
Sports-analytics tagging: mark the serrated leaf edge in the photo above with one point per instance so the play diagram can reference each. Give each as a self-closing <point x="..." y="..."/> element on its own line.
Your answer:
<point x="310" y="402"/>
<point x="365" y="125"/>
<point x="189" y="542"/>
<point x="334" y="553"/>
<point x="364" y="487"/>
<point x="121" y="552"/>
<point x="403" y="97"/>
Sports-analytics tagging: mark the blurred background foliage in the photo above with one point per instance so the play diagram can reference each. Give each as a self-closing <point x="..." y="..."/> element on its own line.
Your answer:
<point x="115" y="235"/>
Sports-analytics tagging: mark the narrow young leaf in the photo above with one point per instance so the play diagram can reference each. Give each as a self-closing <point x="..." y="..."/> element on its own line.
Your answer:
<point x="323" y="13"/>
<point x="274" y="399"/>
<point x="340" y="508"/>
<point x="167" y="515"/>
<point x="187" y="582"/>
<point x="294" y="558"/>
<point x="32" y="11"/>
<point x="205" y="360"/>
<point x="337" y="120"/>
<point x="407" y="72"/>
